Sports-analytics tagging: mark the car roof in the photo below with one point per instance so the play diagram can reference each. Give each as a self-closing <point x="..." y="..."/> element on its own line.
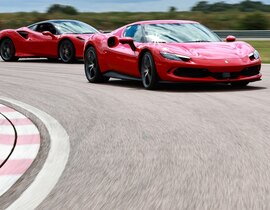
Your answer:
<point x="163" y="21"/>
<point x="55" y="21"/>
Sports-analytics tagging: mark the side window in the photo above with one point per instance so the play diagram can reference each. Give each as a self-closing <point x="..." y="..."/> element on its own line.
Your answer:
<point x="46" y="27"/>
<point x="33" y="27"/>
<point x="135" y="32"/>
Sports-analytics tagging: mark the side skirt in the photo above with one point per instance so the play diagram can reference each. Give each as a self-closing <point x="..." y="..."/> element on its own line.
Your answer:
<point x="114" y="74"/>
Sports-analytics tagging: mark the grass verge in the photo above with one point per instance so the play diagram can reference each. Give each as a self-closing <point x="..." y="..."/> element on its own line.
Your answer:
<point x="263" y="48"/>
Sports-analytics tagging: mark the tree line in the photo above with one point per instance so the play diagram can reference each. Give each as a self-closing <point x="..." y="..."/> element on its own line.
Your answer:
<point x="244" y="6"/>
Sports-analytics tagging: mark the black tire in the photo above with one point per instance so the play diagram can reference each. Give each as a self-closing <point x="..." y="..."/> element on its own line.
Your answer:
<point x="148" y="72"/>
<point x="7" y="50"/>
<point x="91" y="67"/>
<point x="240" y="84"/>
<point x="67" y="51"/>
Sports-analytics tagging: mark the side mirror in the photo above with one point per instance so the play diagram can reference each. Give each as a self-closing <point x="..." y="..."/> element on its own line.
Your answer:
<point x="114" y="41"/>
<point x="48" y="33"/>
<point x="129" y="41"/>
<point x="230" y="38"/>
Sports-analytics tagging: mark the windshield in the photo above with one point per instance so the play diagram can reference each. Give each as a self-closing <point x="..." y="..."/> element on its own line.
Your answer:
<point x="179" y="32"/>
<point x="74" y="27"/>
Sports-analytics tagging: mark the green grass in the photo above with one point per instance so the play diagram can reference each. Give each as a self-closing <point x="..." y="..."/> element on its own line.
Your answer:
<point x="263" y="48"/>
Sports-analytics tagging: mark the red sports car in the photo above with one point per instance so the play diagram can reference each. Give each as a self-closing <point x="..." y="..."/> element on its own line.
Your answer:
<point x="172" y="51"/>
<point x="52" y="39"/>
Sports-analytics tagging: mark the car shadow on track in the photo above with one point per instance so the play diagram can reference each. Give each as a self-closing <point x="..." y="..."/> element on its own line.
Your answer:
<point x="186" y="87"/>
<point x="44" y="60"/>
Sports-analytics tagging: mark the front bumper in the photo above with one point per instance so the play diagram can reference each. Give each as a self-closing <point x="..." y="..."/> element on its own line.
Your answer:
<point x="209" y="70"/>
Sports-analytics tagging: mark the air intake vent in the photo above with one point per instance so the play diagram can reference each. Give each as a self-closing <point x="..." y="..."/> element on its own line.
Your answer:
<point x="192" y="72"/>
<point x="24" y="34"/>
<point x="251" y="71"/>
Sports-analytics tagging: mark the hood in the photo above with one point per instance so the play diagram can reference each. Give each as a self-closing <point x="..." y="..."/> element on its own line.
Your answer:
<point x="209" y="50"/>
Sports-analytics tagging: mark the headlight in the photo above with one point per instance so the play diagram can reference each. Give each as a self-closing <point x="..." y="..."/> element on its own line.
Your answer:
<point x="254" y="55"/>
<point x="176" y="57"/>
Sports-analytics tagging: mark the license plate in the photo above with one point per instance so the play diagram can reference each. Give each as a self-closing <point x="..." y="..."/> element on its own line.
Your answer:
<point x="226" y="74"/>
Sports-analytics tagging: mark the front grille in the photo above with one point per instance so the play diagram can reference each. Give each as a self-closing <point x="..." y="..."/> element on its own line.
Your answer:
<point x="225" y="75"/>
<point x="251" y="71"/>
<point x="192" y="72"/>
<point x="202" y="72"/>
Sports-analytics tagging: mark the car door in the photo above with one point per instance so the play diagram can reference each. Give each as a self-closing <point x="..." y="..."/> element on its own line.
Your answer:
<point x="122" y="58"/>
<point x="42" y="42"/>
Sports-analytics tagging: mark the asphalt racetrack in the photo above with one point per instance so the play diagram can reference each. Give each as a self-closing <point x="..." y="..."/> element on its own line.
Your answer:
<point x="183" y="146"/>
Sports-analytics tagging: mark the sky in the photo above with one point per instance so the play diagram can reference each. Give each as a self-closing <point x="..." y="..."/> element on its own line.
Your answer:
<point x="102" y="5"/>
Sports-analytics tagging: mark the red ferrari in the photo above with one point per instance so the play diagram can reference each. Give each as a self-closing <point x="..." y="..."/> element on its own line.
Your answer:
<point x="52" y="39"/>
<point x="170" y="51"/>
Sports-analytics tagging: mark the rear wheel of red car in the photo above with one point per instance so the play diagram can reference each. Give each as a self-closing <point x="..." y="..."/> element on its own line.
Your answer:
<point x="148" y="72"/>
<point x="239" y="84"/>
<point x="67" y="51"/>
<point x="91" y="67"/>
<point x="7" y="50"/>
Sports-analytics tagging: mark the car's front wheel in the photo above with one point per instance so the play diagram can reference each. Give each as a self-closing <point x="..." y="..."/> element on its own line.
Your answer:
<point x="148" y="72"/>
<point x="7" y="50"/>
<point x="91" y="67"/>
<point x="67" y="51"/>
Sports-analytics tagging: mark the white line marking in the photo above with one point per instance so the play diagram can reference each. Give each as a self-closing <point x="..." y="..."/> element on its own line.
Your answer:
<point x="7" y="129"/>
<point x="27" y="151"/>
<point x="21" y="130"/>
<point x="5" y="151"/>
<point x="14" y="115"/>
<point x="53" y="166"/>
<point x="7" y="182"/>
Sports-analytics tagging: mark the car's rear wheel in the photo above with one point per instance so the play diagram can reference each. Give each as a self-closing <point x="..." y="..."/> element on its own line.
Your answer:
<point x="7" y="50"/>
<point x="67" y="51"/>
<point x="148" y="72"/>
<point x="91" y="67"/>
<point x="239" y="84"/>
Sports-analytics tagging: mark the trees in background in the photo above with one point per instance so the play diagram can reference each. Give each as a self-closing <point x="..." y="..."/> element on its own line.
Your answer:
<point x="244" y="6"/>
<point x="65" y="9"/>
<point x="253" y="12"/>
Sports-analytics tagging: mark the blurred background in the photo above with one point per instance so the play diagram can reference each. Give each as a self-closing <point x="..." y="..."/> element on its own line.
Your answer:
<point x="109" y="14"/>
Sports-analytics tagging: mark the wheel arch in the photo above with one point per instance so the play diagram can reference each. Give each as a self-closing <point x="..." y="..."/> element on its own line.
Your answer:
<point x="100" y="57"/>
<point x="141" y="56"/>
<point x="6" y="37"/>
<point x="89" y="44"/>
<point x="15" y="57"/>
<point x="60" y="42"/>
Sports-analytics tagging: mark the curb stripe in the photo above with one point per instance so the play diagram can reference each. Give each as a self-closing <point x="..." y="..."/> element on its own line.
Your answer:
<point x="21" y="130"/>
<point x="20" y="152"/>
<point x="4" y="152"/>
<point x="6" y="139"/>
<point x="14" y="115"/>
<point x="5" y="109"/>
<point x="8" y="181"/>
<point x="21" y="140"/>
<point x="21" y="121"/>
<point x="19" y="146"/>
<point x="21" y="167"/>
<point x="54" y="165"/>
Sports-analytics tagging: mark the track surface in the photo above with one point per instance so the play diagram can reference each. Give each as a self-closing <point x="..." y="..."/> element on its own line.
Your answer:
<point x="181" y="147"/>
